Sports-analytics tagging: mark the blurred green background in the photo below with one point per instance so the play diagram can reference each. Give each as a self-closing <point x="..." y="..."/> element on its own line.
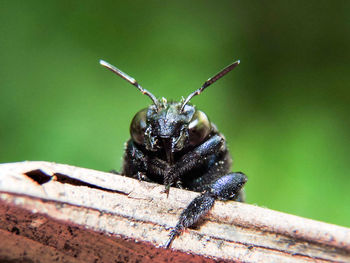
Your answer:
<point x="284" y="110"/>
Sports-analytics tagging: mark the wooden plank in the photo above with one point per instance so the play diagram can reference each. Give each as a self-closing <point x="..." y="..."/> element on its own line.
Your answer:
<point x="83" y="215"/>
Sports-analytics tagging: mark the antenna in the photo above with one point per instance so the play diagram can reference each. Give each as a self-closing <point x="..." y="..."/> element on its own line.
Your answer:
<point x="210" y="81"/>
<point x="130" y="80"/>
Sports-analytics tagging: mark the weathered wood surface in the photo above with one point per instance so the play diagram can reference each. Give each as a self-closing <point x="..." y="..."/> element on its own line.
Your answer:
<point x="52" y="212"/>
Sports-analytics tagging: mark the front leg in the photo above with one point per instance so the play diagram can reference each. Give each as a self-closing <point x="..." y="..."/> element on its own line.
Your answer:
<point x="226" y="187"/>
<point x="200" y="154"/>
<point x="134" y="160"/>
<point x="140" y="165"/>
<point x="194" y="159"/>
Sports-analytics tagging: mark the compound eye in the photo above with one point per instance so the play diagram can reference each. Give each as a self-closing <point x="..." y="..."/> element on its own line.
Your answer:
<point x="199" y="128"/>
<point x="138" y="127"/>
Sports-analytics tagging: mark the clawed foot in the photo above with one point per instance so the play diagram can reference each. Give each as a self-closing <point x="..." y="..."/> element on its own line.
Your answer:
<point x="166" y="190"/>
<point x="172" y="236"/>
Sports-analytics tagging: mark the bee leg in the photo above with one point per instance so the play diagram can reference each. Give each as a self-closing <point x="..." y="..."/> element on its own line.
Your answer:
<point x="197" y="157"/>
<point x="226" y="187"/>
<point x="142" y="177"/>
<point x="194" y="211"/>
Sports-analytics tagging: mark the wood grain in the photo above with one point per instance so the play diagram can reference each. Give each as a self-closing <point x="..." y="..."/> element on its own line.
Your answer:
<point x="59" y="213"/>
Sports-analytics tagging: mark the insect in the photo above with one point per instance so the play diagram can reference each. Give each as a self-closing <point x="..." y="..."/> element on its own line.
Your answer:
<point x="175" y="144"/>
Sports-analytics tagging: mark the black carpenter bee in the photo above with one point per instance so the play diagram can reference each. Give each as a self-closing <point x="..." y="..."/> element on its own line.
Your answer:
<point x="174" y="144"/>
